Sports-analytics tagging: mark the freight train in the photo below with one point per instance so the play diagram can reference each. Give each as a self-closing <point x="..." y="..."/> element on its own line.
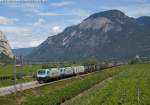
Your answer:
<point x="45" y="75"/>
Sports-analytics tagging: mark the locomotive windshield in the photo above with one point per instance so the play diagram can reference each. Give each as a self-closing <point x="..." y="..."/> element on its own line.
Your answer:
<point x="41" y="72"/>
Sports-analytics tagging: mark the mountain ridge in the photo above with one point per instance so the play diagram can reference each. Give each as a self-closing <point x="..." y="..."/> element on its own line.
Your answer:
<point x="108" y="34"/>
<point x="23" y="51"/>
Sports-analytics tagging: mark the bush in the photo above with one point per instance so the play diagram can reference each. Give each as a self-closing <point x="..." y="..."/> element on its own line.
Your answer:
<point x="134" y="61"/>
<point x="20" y="75"/>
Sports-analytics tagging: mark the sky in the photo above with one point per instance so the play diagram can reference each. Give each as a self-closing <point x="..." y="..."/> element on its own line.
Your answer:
<point x="28" y="24"/>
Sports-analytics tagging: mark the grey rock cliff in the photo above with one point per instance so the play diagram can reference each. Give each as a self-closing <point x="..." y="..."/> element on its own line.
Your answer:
<point x="5" y="49"/>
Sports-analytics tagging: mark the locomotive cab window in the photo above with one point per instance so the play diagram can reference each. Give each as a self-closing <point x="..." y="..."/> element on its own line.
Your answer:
<point x="61" y="70"/>
<point x="47" y="72"/>
<point x="41" y="72"/>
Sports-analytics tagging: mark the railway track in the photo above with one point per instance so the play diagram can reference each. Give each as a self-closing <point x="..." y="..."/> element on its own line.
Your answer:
<point x="29" y="85"/>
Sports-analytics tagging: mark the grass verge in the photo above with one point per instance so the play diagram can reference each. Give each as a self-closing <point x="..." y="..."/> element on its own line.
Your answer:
<point x="130" y="87"/>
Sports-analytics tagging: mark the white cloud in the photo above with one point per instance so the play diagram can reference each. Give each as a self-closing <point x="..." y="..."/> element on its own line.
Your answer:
<point x="136" y="10"/>
<point x="48" y="14"/>
<point x="30" y="35"/>
<point x="21" y="37"/>
<point x="38" y="12"/>
<point x="14" y="29"/>
<point x="74" y="21"/>
<point x="7" y="21"/>
<point x="61" y="4"/>
<point x="35" y="43"/>
<point x="139" y="10"/>
<point x="80" y="13"/>
<point x="56" y="29"/>
<point x="68" y="12"/>
<point x="40" y="22"/>
<point x="140" y="1"/>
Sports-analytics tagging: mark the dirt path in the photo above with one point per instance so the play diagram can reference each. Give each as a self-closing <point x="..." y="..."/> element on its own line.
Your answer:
<point x="83" y="93"/>
<point x="18" y="87"/>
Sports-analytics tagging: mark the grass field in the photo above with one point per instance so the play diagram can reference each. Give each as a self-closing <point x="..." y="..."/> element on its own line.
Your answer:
<point x="8" y="70"/>
<point x="57" y="93"/>
<point x="130" y="87"/>
<point x="27" y="70"/>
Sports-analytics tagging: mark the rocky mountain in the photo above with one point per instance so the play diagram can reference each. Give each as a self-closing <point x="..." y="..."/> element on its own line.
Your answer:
<point x="144" y="20"/>
<point x="103" y="35"/>
<point x="5" y="49"/>
<point x="23" y="51"/>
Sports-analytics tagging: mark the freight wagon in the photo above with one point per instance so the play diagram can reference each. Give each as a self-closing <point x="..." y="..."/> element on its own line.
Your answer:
<point x="45" y="75"/>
